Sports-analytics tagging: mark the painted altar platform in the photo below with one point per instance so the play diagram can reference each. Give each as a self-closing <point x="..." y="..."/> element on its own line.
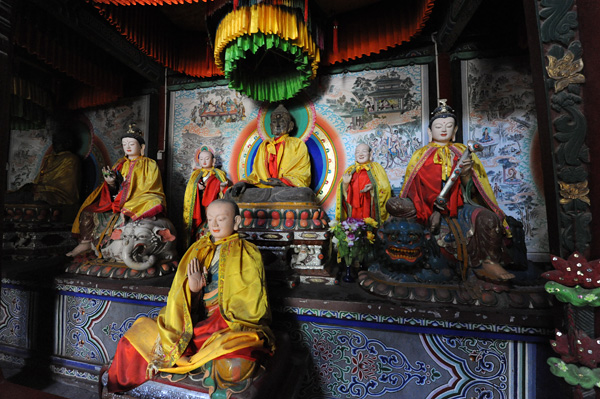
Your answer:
<point x="358" y="345"/>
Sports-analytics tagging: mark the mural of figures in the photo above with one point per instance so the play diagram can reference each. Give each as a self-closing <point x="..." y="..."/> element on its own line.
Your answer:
<point x="108" y="123"/>
<point x="206" y="117"/>
<point x="382" y="109"/>
<point x="501" y="109"/>
<point x="27" y="149"/>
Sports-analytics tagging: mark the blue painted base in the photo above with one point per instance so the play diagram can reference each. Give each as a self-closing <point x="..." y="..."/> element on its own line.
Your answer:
<point x="359" y="346"/>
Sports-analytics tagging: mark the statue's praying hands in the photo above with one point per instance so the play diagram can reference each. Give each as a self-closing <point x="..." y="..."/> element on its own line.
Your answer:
<point x="197" y="275"/>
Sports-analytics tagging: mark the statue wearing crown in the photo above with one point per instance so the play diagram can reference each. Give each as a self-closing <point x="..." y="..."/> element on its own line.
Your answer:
<point x="452" y="196"/>
<point x="131" y="194"/>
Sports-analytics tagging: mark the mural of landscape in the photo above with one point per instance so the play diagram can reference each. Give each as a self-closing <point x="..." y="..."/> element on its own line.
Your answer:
<point x="382" y="108"/>
<point x="501" y="116"/>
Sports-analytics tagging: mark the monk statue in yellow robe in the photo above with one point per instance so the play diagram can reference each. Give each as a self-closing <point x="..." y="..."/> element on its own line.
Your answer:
<point x="468" y="224"/>
<point x="59" y="179"/>
<point x="132" y="190"/>
<point x="217" y="314"/>
<point x="364" y="189"/>
<point x="280" y="161"/>
<point x="205" y="185"/>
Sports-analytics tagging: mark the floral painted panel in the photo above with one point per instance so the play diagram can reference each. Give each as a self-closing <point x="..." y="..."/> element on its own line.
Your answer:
<point x="349" y="362"/>
<point x="499" y="106"/>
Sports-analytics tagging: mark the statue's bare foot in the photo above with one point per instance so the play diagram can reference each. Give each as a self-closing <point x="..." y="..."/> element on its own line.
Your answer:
<point x="83" y="247"/>
<point x="492" y="271"/>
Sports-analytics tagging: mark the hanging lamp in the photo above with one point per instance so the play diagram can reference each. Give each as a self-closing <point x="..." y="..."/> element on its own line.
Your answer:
<point x="266" y="49"/>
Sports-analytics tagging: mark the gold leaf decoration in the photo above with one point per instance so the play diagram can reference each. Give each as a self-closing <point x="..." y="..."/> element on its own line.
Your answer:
<point x="570" y="192"/>
<point x="565" y="71"/>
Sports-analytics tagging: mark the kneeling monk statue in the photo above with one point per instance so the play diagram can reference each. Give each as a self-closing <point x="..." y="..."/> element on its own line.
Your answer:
<point x="217" y="314"/>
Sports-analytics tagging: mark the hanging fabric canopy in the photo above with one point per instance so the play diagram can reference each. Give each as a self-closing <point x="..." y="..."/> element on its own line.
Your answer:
<point x="99" y="81"/>
<point x="377" y="28"/>
<point x="181" y="51"/>
<point x="147" y="2"/>
<point x="254" y="65"/>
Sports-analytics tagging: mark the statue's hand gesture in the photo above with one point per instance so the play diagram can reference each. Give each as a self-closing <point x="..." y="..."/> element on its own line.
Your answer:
<point x="346" y="178"/>
<point x="151" y="370"/>
<point x="109" y="176"/>
<point x="467" y="167"/>
<point x="272" y="181"/>
<point x="367" y="187"/>
<point x="238" y="189"/>
<point x="434" y="222"/>
<point x="197" y="275"/>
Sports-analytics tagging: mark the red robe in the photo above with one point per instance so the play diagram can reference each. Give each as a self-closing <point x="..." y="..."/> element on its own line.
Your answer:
<point x="426" y="186"/>
<point x="360" y="202"/>
<point x="211" y="193"/>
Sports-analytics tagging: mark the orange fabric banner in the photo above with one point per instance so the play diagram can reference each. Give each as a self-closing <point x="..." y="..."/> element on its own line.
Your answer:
<point x="376" y="28"/>
<point x="147" y="2"/>
<point x="363" y="32"/>
<point x="100" y="80"/>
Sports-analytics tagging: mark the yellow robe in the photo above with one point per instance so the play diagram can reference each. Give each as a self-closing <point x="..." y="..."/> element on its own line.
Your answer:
<point x="242" y="302"/>
<point x="189" y="198"/>
<point x="485" y="194"/>
<point x="293" y="163"/>
<point x="59" y="179"/>
<point x="381" y="193"/>
<point x="143" y="194"/>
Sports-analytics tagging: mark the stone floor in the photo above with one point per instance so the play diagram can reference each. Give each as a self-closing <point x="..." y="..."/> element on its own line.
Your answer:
<point x="45" y="383"/>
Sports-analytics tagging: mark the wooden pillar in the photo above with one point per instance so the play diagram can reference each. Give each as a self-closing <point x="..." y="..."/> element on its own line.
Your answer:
<point x="557" y="46"/>
<point x="588" y="16"/>
<point x="6" y="15"/>
<point x="561" y="126"/>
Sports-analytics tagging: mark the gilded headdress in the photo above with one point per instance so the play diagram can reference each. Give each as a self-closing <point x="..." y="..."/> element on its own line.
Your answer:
<point x="443" y="110"/>
<point x="134" y="132"/>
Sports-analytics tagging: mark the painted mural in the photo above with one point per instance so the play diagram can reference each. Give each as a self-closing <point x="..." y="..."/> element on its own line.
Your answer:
<point x="27" y="148"/>
<point x="110" y="122"/>
<point x="499" y="101"/>
<point x="382" y="108"/>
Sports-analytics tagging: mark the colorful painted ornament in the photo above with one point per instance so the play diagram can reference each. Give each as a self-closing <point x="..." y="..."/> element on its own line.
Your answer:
<point x="267" y="50"/>
<point x="575" y="271"/>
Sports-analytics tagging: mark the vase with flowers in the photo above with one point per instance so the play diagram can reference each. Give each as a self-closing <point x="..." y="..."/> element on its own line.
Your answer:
<point x="354" y="239"/>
